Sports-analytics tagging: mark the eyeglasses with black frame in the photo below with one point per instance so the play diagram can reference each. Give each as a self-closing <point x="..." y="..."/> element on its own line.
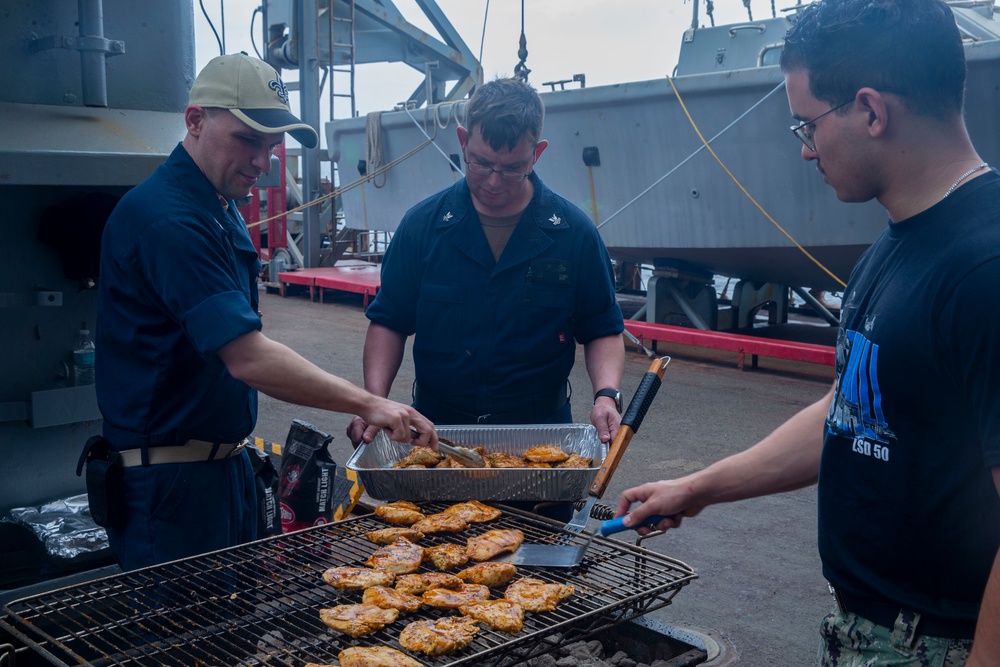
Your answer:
<point x="805" y="135"/>
<point x="506" y="174"/>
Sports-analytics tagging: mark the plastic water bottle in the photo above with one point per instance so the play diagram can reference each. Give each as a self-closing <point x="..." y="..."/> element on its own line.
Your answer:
<point x="83" y="359"/>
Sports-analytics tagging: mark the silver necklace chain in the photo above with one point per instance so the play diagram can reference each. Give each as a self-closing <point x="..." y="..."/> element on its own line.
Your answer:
<point x="963" y="177"/>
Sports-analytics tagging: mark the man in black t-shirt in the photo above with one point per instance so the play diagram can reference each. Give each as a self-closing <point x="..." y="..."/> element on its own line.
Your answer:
<point x="906" y="446"/>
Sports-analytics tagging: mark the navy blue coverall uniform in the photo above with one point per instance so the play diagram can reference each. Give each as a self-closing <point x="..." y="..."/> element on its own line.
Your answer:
<point x="177" y="283"/>
<point x="494" y="341"/>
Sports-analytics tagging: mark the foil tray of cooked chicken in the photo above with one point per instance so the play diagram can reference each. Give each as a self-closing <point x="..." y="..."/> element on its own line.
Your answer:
<point x="524" y="462"/>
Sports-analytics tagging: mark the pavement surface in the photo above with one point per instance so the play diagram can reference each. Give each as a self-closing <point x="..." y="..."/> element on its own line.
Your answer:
<point x="760" y="594"/>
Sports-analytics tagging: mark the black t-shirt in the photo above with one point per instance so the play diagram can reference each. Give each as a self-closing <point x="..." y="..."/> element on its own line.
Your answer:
<point x="908" y="511"/>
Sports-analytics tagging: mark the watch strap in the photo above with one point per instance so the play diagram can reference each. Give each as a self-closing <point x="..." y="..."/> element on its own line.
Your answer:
<point x="613" y="394"/>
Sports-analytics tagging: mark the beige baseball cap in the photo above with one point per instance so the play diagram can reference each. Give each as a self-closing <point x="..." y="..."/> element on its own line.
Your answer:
<point x="252" y="90"/>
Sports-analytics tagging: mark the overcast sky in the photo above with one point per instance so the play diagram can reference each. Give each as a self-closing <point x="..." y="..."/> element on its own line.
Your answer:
<point x="610" y="41"/>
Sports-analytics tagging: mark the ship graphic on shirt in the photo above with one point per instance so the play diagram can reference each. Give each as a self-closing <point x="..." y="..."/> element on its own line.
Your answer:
<point x="856" y="410"/>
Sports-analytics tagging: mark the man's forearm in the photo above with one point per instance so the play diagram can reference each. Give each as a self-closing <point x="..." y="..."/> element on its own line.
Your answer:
<point x="383" y="355"/>
<point x="605" y="359"/>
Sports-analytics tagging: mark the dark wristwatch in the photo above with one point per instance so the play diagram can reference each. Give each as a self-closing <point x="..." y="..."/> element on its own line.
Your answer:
<point x="612" y="393"/>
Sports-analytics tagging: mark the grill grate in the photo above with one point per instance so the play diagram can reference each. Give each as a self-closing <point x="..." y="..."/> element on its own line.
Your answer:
<point x="258" y="604"/>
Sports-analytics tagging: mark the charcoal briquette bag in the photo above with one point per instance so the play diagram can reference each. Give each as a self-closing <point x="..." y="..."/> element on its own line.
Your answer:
<point x="306" y="478"/>
<point x="266" y="478"/>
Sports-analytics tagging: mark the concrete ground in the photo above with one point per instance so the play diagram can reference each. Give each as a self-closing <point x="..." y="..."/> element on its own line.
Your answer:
<point x="760" y="593"/>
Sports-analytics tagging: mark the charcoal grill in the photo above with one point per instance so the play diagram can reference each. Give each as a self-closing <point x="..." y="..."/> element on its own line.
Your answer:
<point x="258" y="604"/>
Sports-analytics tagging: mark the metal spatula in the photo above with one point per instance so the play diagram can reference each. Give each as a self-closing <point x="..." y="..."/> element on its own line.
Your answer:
<point x="548" y="555"/>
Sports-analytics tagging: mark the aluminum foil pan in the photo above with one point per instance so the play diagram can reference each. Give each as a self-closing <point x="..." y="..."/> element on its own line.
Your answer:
<point x="373" y="465"/>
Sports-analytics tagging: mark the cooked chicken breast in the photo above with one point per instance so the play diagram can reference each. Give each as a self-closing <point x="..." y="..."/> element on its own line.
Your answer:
<point x="390" y="598"/>
<point x="488" y="574"/>
<point x="537" y="464"/>
<point x="400" y="557"/>
<point x="437" y="637"/>
<point x="400" y="513"/>
<point x="576" y="461"/>
<point x="375" y="656"/>
<point x="446" y="556"/>
<point x="419" y="456"/>
<point x="498" y="614"/>
<point x="390" y="535"/>
<point x="453" y="599"/>
<point x="357" y="619"/>
<point x="441" y="523"/>
<point x="546" y="454"/>
<point x="356" y="578"/>
<point x="504" y="460"/>
<point x="536" y="595"/>
<point x="493" y="542"/>
<point x="473" y="511"/>
<point x="425" y="581"/>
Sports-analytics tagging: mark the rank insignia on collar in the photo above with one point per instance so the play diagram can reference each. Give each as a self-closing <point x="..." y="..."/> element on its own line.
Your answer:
<point x="555" y="219"/>
<point x="447" y="217"/>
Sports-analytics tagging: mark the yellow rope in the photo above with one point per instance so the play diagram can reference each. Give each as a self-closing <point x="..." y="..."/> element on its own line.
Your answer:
<point x="694" y="125"/>
<point x="345" y="188"/>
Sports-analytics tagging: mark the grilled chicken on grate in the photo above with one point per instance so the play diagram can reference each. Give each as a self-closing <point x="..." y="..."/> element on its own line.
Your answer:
<point x="441" y="523"/>
<point x="357" y="619"/>
<point x="453" y="599"/>
<point x="425" y="581"/>
<point x="400" y="557"/>
<point x="375" y="656"/>
<point x="390" y="535"/>
<point x="446" y="556"/>
<point x="498" y="614"/>
<point x="474" y="511"/>
<point x="348" y="578"/>
<point x="494" y="542"/>
<point x="437" y="637"/>
<point x="400" y="513"/>
<point x="536" y="595"/>
<point x="390" y="598"/>
<point x="488" y="574"/>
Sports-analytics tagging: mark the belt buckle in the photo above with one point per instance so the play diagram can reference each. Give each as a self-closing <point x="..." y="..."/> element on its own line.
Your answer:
<point x="239" y="447"/>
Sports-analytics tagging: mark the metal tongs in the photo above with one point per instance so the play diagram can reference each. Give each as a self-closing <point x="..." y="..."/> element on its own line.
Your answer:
<point x="470" y="458"/>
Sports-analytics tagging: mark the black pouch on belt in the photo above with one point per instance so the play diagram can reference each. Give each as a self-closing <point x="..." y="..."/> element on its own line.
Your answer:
<point x="104" y="482"/>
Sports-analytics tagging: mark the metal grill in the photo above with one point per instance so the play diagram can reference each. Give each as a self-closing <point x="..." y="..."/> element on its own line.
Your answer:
<point x="258" y="604"/>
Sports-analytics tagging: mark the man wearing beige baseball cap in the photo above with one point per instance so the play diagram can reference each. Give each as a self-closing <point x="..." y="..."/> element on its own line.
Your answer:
<point x="180" y="353"/>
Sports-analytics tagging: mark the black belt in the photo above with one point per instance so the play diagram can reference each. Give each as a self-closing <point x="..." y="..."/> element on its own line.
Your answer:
<point x="885" y="613"/>
<point x="513" y="410"/>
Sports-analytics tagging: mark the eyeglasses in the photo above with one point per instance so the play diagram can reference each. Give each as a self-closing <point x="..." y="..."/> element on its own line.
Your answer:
<point x="506" y="174"/>
<point x="805" y="135"/>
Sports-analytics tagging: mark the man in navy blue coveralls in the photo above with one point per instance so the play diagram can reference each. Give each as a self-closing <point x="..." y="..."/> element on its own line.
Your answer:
<point x="497" y="278"/>
<point x="180" y="350"/>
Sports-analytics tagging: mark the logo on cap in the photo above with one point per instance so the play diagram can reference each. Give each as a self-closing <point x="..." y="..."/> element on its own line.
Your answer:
<point x="279" y="87"/>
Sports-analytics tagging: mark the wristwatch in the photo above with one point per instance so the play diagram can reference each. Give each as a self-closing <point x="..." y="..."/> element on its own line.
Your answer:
<point x="613" y="393"/>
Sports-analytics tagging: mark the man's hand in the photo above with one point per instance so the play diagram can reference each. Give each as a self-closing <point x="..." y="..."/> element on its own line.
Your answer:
<point x="605" y="418"/>
<point x="667" y="497"/>
<point x="401" y="423"/>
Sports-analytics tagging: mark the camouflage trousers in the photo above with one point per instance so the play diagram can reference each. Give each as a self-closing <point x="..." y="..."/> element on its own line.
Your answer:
<point x="852" y="641"/>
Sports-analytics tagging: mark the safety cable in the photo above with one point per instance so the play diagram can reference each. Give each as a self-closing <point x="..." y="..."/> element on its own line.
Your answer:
<point x="431" y="139"/>
<point x="482" y="40"/>
<point x="760" y="208"/>
<point x="689" y="157"/>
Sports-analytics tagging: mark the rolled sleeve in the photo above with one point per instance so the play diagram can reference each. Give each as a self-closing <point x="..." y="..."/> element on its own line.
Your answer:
<point x="219" y="320"/>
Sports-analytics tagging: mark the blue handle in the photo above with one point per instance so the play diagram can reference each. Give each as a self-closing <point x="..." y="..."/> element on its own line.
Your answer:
<point x="616" y="526"/>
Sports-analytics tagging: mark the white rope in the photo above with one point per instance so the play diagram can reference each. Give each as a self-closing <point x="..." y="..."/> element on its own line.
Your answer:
<point x="374" y="154"/>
